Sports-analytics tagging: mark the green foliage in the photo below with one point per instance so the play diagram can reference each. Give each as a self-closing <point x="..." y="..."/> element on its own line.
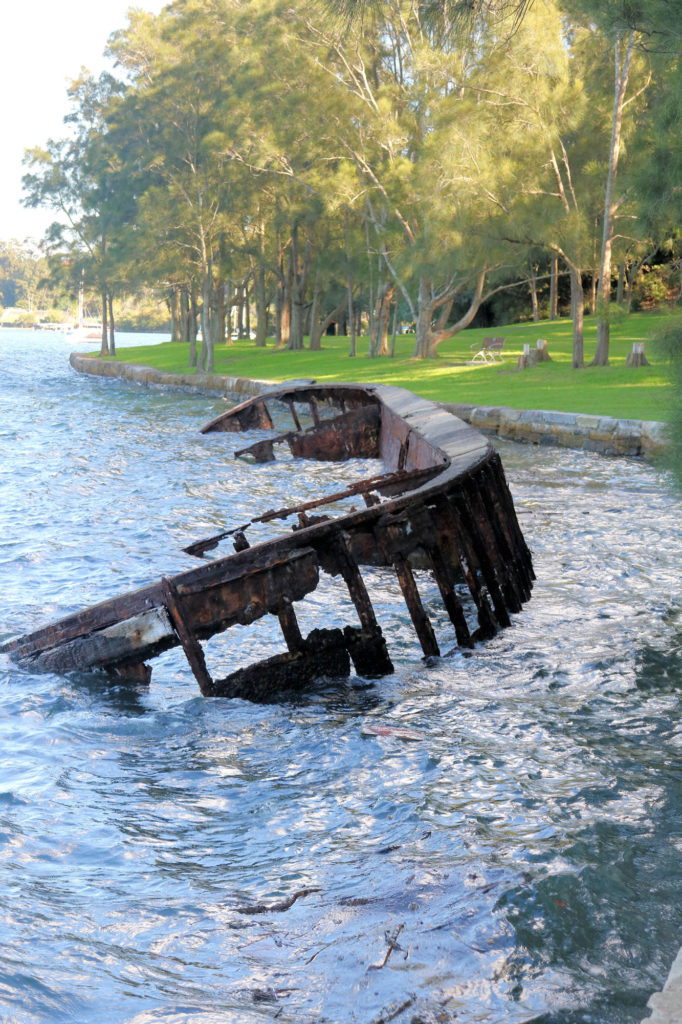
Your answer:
<point x="252" y="147"/>
<point x="22" y="272"/>
<point x="652" y="288"/>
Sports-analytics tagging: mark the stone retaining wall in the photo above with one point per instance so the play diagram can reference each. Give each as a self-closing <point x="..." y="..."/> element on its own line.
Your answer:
<point x="204" y="382"/>
<point x="602" y="434"/>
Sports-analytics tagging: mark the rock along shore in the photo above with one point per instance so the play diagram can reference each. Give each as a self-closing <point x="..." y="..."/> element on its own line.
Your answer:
<point x="603" y="434"/>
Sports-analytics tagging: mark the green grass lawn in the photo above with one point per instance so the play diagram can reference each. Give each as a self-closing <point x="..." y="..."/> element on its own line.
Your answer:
<point x="615" y="390"/>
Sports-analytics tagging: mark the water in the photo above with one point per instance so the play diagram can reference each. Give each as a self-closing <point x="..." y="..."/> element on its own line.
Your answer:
<point x="525" y="855"/>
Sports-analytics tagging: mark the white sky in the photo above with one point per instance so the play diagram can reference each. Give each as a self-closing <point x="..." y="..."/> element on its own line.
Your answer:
<point x="43" y="44"/>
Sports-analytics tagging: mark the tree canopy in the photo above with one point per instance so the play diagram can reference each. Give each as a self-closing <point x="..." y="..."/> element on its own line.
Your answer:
<point x="333" y="167"/>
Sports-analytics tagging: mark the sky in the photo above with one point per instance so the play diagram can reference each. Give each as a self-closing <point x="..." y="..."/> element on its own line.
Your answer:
<point x="44" y="45"/>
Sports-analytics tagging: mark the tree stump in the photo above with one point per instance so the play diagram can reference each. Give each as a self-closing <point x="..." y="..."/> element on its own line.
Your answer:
<point x="541" y="353"/>
<point x="532" y="356"/>
<point x="637" y="357"/>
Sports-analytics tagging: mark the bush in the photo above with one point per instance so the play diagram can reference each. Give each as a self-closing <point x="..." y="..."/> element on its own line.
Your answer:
<point x="144" y="320"/>
<point x="652" y="288"/>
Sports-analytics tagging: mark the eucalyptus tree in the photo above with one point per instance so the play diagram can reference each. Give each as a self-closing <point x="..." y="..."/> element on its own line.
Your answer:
<point x="553" y="170"/>
<point x="22" y="273"/>
<point x="282" y="149"/>
<point x="78" y="177"/>
<point x="431" y="153"/>
<point x="180" y="109"/>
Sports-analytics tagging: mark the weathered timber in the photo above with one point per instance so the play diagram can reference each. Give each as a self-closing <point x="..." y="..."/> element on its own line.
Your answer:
<point x="253" y="415"/>
<point x="421" y="621"/>
<point x="441" y="503"/>
<point x="354" y="434"/>
<point x="131" y="640"/>
<point x="191" y="646"/>
<point x="324" y="654"/>
<point x="366" y="646"/>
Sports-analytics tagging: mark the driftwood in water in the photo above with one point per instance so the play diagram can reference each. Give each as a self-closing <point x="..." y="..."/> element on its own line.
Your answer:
<point x="442" y="503"/>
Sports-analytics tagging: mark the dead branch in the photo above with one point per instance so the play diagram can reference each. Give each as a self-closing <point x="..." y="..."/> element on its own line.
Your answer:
<point x="267" y="908"/>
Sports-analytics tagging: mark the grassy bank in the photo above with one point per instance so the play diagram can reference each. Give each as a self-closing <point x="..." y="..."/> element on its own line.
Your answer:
<point x="615" y="390"/>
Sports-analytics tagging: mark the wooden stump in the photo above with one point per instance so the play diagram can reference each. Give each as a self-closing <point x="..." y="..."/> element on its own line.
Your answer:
<point x="532" y="356"/>
<point x="541" y="353"/>
<point x="637" y="357"/>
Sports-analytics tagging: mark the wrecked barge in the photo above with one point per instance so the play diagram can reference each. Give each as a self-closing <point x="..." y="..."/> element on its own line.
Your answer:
<point x="441" y="502"/>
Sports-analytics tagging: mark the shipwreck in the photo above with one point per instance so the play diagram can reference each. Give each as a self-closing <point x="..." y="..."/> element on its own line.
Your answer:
<point x="439" y="502"/>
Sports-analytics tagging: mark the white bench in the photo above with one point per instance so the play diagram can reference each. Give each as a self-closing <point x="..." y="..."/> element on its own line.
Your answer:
<point x="490" y="351"/>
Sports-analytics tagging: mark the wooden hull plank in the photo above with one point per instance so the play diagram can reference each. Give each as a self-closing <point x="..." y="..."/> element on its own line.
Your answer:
<point x="136" y="639"/>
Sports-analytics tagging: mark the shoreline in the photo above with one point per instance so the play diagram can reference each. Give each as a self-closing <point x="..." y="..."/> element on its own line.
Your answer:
<point x="605" y="435"/>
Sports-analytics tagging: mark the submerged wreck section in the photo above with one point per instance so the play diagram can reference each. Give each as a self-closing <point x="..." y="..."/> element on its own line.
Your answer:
<point x="441" y="503"/>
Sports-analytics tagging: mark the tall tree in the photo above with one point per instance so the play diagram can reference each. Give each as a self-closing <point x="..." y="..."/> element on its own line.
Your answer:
<point x="78" y="178"/>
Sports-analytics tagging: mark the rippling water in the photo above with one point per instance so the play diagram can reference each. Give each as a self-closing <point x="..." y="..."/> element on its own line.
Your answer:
<point x="521" y="863"/>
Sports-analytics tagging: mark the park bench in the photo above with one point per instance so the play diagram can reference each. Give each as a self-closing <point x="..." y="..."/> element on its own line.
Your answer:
<point x="489" y="352"/>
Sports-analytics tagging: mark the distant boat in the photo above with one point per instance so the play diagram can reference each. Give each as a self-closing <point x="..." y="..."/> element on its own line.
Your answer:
<point x="90" y="331"/>
<point x="84" y="330"/>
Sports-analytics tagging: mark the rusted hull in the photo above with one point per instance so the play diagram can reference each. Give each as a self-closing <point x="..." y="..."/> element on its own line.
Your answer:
<point x="441" y="503"/>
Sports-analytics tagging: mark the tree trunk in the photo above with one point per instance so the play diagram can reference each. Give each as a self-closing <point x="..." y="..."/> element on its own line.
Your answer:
<point x="193" y="314"/>
<point x="229" y="301"/>
<point x="283" y="301"/>
<point x="379" y="340"/>
<point x="207" y="321"/>
<point x="241" y="333"/>
<point x="577" y="315"/>
<point x="298" y="275"/>
<point x="296" y="332"/>
<point x="428" y="339"/>
<point x="175" y="314"/>
<point x="261" y="305"/>
<point x="395" y="329"/>
<point x="533" y="288"/>
<point x="349" y="288"/>
<point x="554" y="289"/>
<point x="190" y="323"/>
<point x="285" y="317"/>
<point x="221" y="312"/>
<point x="184" y="314"/>
<point x="112" y="340"/>
<point x="247" y="309"/>
<point x="370" y="282"/>
<point x="620" y="291"/>
<point x="423" y="325"/>
<point x="317" y="329"/>
<point x="632" y="274"/>
<point x="601" y="356"/>
<point x="593" y="294"/>
<point x="104" y="348"/>
<point x="315" y="334"/>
